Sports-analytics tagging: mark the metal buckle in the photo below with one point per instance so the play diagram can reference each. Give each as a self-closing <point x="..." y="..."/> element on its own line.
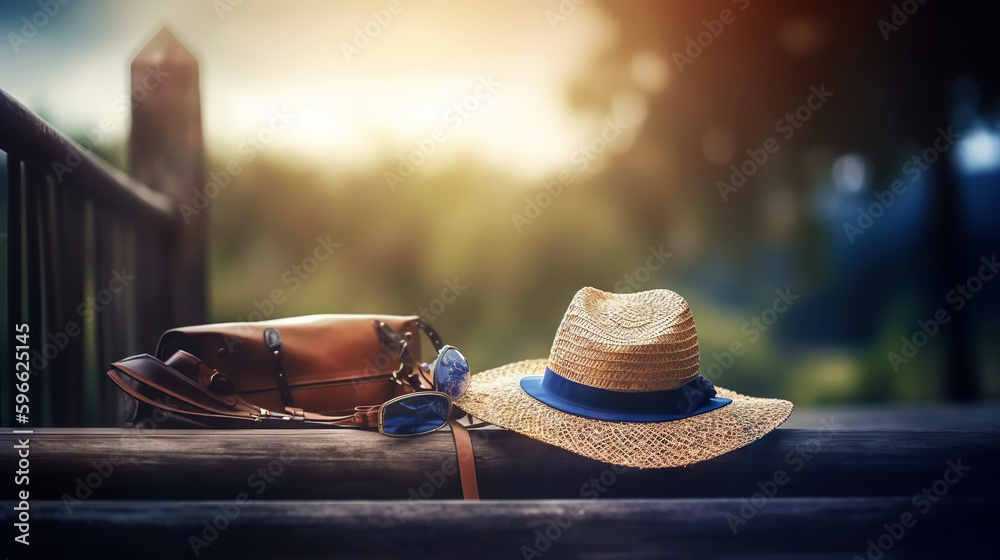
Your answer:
<point x="402" y="365"/>
<point x="265" y="413"/>
<point x="395" y="374"/>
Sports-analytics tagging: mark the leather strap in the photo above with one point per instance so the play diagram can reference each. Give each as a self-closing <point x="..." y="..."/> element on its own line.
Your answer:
<point x="390" y="334"/>
<point x="410" y="371"/>
<point x="160" y="379"/>
<point x="466" y="460"/>
<point x="153" y="397"/>
<point x="273" y="342"/>
<point x="432" y="334"/>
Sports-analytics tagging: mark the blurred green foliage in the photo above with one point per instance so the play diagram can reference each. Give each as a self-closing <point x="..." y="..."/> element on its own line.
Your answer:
<point x="399" y="250"/>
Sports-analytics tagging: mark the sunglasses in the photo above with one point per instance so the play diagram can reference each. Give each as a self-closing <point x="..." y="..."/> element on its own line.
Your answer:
<point x="425" y="411"/>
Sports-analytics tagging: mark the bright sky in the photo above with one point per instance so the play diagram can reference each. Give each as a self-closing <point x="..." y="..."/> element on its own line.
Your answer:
<point x="262" y="56"/>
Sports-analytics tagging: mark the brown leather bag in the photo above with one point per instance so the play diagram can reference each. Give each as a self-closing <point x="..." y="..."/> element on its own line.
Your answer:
<point x="314" y="371"/>
<point x="326" y="364"/>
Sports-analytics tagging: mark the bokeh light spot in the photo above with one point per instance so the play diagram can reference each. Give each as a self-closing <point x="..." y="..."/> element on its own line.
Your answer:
<point x="802" y="37"/>
<point x="850" y="173"/>
<point x="979" y="151"/>
<point x="719" y="145"/>
<point x="649" y="72"/>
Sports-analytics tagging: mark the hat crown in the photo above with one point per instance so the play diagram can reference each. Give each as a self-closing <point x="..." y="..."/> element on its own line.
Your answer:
<point x="644" y="341"/>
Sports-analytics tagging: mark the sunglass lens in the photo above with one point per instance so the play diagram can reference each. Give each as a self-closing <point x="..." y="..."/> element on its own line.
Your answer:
<point x="415" y="414"/>
<point x="451" y="374"/>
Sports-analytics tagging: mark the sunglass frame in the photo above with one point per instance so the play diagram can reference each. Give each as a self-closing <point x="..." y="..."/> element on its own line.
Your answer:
<point x="381" y="412"/>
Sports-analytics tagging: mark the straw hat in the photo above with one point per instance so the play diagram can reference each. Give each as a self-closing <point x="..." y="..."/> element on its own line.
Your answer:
<point x="621" y="385"/>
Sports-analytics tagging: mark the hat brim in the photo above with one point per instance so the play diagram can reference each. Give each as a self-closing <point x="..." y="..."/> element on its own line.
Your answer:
<point x="496" y="396"/>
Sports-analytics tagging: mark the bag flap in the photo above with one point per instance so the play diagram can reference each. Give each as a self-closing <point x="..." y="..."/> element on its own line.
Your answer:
<point x="314" y="349"/>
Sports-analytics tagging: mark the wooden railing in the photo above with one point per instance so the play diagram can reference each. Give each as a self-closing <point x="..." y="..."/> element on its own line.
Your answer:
<point x="355" y="494"/>
<point x="99" y="263"/>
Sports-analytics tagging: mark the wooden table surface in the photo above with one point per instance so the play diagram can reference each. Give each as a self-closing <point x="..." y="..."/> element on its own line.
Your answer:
<point x="848" y="478"/>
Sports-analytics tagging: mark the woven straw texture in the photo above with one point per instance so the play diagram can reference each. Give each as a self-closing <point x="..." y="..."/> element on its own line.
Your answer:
<point x="623" y="342"/>
<point x="496" y="396"/>
<point x="627" y="342"/>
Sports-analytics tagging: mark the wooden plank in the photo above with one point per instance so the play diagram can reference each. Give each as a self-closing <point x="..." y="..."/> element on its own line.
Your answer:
<point x="939" y="416"/>
<point x="15" y="267"/>
<point x="152" y="289"/>
<point x="57" y="309"/>
<point x="34" y="141"/>
<point x="351" y="464"/>
<point x="789" y="528"/>
<point x="109" y="344"/>
<point x="91" y="390"/>
<point x="123" y="319"/>
<point x="35" y="247"/>
<point x="73" y="272"/>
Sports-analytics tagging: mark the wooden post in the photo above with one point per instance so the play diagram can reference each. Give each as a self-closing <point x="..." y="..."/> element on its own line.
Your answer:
<point x="166" y="153"/>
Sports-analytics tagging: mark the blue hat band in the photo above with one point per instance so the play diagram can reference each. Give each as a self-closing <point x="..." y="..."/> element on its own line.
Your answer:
<point x="695" y="397"/>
